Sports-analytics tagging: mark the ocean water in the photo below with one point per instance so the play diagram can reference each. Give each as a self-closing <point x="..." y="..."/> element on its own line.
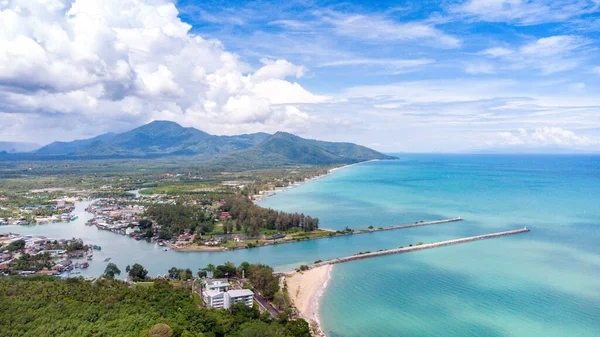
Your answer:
<point x="542" y="283"/>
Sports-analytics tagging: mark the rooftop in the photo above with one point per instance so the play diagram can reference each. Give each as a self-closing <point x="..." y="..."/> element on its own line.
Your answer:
<point x="217" y="282"/>
<point x="240" y="293"/>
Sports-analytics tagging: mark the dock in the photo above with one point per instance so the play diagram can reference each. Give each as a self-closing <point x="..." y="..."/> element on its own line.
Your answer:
<point x="416" y="224"/>
<point x="421" y="247"/>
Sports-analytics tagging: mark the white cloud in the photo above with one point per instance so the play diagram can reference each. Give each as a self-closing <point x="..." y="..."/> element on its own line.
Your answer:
<point x="479" y="68"/>
<point x="525" y="12"/>
<point x="553" y="45"/>
<point x="137" y="60"/>
<point x="496" y="52"/>
<point x="380" y="29"/>
<point x="596" y="70"/>
<point x="277" y="69"/>
<point x="393" y="66"/>
<point x="544" y="136"/>
<point x="549" y="54"/>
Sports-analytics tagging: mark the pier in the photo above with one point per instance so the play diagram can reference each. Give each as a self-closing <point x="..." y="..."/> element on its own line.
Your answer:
<point x="420" y="247"/>
<point x="416" y="224"/>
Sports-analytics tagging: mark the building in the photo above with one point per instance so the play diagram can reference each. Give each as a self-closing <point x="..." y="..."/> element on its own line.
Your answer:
<point x="219" y="284"/>
<point x="217" y="295"/>
<point x="225" y="299"/>
<point x="242" y="295"/>
<point x="214" y="298"/>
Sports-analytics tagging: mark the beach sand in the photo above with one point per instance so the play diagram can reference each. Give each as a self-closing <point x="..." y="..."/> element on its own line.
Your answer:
<point x="305" y="290"/>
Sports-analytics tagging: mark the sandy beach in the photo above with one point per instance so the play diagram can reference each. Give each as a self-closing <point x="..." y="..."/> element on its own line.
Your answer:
<point x="305" y="290"/>
<point x="269" y="193"/>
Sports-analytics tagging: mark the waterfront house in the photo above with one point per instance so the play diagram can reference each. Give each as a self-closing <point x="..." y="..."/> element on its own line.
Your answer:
<point x="48" y="272"/>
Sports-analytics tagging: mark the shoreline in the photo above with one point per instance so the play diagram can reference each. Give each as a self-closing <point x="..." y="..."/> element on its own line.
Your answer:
<point x="306" y="289"/>
<point x="269" y="193"/>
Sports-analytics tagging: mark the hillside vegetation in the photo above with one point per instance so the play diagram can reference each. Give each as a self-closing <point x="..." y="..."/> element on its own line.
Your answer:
<point x="46" y="306"/>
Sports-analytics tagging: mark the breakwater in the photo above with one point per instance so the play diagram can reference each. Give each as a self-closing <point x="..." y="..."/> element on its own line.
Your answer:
<point x="420" y="247"/>
<point x="416" y="224"/>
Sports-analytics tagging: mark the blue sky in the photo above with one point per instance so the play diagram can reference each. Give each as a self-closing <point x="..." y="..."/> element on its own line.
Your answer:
<point x="449" y="76"/>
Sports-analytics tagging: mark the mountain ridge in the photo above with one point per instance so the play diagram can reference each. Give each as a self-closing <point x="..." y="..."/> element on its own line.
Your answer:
<point x="165" y="138"/>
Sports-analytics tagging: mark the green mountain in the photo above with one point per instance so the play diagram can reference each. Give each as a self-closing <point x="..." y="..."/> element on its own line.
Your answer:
<point x="62" y="148"/>
<point x="164" y="138"/>
<point x="288" y="149"/>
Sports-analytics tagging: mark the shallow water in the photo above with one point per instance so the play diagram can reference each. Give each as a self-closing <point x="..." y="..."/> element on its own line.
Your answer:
<point x="543" y="283"/>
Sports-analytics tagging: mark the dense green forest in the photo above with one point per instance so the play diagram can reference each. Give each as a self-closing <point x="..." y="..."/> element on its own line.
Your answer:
<point x="247" y="217"/>
<point x="47" y="306"/>
<point x="176" y="219"/>
<point x="252" y="218"/>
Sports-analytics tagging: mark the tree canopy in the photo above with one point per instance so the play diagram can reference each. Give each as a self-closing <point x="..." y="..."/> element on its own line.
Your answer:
<point x="48" y="306"/>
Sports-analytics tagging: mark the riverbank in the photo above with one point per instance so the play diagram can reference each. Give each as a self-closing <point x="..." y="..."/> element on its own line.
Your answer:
<point x="195" y="248"/>
<point x="305" y="289"/>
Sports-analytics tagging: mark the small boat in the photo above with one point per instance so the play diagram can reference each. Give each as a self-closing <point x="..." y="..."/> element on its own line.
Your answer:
<point x="97" y="247"/>
<point x="165" y="249"/>
<point x="85" y="265"/>
<point x="161" y="244"/>
<point x="107" y="259"/>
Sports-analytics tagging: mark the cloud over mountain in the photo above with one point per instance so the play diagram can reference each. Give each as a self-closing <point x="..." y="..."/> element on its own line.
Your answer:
<point x="134" y="61"/>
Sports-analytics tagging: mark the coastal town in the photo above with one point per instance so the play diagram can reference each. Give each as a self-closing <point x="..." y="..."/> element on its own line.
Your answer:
<point x="27" y="254"/>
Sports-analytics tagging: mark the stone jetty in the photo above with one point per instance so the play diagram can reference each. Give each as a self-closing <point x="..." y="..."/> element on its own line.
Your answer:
<point x="420" y="247"/>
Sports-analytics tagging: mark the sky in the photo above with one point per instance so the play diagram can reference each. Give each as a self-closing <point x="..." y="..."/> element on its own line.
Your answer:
<point x="412" y="76"/>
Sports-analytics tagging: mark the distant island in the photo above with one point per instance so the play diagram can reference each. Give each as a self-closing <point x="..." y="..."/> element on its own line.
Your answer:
<point x="164" y="138"/>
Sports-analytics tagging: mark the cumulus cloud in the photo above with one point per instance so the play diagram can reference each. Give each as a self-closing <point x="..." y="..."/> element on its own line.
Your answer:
<point x="545" y="136"/>
<point x="137" y="60"/>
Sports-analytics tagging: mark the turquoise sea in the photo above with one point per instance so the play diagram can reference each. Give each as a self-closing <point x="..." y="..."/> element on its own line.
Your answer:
<point x="542" y="283"/>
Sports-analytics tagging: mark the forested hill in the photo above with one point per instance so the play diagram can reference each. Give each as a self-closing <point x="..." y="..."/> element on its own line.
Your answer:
<point x="286" y="148"/>
<point x="164" y="138"/>
<point x="47" y="306"/>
